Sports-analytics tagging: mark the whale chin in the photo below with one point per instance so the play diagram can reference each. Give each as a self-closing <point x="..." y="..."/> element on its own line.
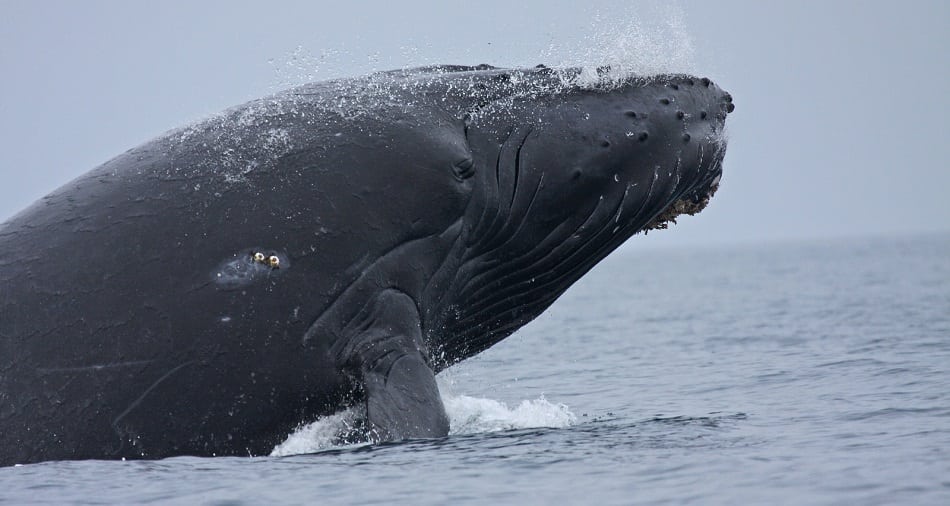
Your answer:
<point x="685" y="205"/>
<point x="690" y="204"/>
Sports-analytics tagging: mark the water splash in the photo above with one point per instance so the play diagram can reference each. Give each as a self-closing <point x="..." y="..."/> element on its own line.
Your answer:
<point x="473" y="415"/>
<point x="615" y="48"/>
<point x="620" y="47"/>
<point x="644" y="39"/>
<point x="302" y="66"/>
<point x="467" y="415"/>
<point x="319" y="435"/>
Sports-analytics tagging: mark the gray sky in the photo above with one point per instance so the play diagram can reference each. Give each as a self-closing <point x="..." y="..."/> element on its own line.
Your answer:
<point x="840" y="127"/>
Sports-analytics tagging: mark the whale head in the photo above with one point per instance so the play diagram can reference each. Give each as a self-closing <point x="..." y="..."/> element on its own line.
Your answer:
<point x="562" y="173"/>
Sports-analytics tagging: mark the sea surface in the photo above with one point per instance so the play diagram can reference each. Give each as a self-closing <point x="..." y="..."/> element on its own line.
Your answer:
<point x="799" y="373"/>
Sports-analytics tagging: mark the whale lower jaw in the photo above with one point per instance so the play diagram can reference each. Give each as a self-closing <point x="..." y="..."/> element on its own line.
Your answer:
<point x="689" y="205"/>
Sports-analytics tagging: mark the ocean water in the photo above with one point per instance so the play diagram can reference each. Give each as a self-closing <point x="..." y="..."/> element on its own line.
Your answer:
<point x="808" y="373"/>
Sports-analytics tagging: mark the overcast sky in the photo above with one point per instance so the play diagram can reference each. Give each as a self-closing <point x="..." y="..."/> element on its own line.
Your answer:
<point x="840" y="128"/>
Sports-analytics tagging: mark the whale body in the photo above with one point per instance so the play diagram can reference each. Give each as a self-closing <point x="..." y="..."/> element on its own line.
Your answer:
<point x="333" y="245"/>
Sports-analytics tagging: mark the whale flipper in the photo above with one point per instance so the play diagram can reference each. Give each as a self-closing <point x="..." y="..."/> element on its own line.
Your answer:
<point x="388" y="355"/>
<point x="402" y="400"/>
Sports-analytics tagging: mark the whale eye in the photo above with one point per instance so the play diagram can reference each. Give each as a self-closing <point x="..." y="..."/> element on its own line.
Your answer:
<point x="464" y="168"/>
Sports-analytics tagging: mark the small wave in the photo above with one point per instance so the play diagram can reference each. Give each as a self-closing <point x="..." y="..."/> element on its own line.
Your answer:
<point x="467" y="415"/>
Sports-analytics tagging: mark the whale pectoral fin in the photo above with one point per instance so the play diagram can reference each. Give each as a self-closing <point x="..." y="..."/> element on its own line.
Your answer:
<point x="403" y="401"/>
<point x="387" y="351"/>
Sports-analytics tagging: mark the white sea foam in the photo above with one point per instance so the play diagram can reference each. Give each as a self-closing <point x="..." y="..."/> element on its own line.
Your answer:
<point x="474" y="415"/>
<point x="319" y="435"/>
<point x="467" y="415"/>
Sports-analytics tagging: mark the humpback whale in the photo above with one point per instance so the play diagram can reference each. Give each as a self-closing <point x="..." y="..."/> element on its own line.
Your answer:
<point x="334" y="245"/>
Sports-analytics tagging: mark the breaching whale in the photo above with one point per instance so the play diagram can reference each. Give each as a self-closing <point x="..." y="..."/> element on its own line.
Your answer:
<point x="336" y="244"/>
